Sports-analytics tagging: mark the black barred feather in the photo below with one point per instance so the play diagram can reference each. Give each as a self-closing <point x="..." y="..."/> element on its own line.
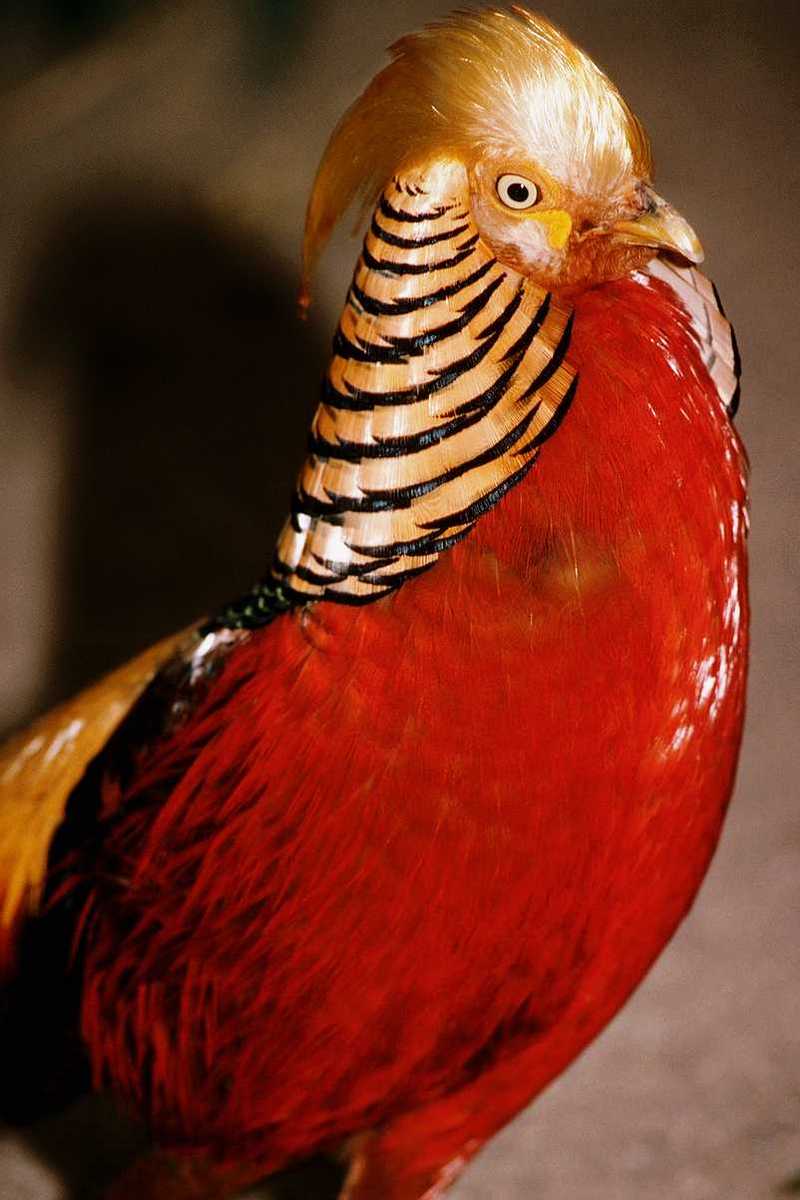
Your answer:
<point x="448" y="372"/>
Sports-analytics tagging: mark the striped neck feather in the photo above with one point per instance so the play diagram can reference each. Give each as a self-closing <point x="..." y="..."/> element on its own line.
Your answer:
<point x="448" y="372"/>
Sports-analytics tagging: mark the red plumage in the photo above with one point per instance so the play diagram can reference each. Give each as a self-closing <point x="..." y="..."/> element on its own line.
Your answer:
<point x="396" y="871"/>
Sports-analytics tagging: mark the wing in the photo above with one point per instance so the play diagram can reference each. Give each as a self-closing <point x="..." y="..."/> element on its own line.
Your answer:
<point x="40" y="767"/>
<point x="713" y="330"/>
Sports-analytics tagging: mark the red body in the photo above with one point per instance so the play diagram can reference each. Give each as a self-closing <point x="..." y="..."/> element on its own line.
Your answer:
<point x="407" y="860"/>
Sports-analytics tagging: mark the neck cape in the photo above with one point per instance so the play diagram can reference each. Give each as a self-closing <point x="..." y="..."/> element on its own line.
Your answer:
<point x="448" y="372"/>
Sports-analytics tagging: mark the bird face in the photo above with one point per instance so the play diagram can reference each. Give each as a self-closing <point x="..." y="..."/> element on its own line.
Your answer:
<point x="559" y="168"/>
<point x="560" y="176"/>
<point x="566" y="236"/>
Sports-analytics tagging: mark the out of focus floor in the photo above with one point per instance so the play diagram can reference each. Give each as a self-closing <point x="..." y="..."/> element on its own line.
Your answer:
<point x="154" y="392"/>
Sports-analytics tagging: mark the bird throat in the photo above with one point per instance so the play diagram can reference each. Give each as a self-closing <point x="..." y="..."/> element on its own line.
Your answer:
<point x="448" y="373"/>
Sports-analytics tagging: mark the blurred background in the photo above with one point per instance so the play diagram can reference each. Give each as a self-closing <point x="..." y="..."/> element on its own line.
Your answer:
<point x="155" y="388"/>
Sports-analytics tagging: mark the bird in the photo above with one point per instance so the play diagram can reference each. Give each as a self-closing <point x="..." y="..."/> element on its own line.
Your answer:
<point x="361" y="862"/>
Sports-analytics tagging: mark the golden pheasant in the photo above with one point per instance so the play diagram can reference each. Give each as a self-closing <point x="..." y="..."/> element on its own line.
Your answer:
<point x="363" y="861"/>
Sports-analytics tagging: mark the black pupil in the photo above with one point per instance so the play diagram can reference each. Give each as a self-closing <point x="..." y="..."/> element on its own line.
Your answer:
<point x="518" y="192"/>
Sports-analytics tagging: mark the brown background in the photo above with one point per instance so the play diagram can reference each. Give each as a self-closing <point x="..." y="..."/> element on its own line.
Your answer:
<point x="154" y="392"/>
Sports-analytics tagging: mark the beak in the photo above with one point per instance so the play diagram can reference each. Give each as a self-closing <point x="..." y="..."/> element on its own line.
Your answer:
<point x="661" y="227"/>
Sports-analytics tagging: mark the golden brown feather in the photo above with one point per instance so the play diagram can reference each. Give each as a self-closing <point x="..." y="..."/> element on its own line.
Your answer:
<point x="40" y="766"/>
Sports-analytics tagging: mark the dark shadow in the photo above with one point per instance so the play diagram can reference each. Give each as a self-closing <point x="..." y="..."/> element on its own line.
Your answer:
<point x="189" y="382"/>
<point x="89" y="1145"/>
<point x="93" y="1142"/>
<point x="319" y="1178"/>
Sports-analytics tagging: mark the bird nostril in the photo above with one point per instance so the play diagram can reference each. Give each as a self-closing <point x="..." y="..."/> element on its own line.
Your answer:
<point x="643" y="200"/>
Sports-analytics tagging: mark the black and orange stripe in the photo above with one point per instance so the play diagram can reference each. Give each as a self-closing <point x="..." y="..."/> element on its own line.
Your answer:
<point x="448" y="372"/>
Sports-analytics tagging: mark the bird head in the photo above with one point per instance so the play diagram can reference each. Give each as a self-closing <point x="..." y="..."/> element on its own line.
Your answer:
<point x="557" y="167"/>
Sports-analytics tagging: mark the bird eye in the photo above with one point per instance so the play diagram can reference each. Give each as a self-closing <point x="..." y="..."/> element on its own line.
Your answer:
<point x="517" y="192"/>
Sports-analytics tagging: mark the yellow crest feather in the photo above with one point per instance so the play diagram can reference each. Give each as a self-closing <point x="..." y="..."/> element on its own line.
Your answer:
<point x="475" y="82"/>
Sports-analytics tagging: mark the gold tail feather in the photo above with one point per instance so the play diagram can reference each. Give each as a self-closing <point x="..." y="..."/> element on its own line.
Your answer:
<point x="41" y="765"/>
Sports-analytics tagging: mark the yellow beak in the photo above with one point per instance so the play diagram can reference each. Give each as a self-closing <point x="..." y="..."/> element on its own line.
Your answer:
<point x="663" y="228"/>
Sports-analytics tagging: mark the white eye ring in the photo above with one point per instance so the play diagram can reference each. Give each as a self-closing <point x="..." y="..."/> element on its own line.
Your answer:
<point x="515" y="191"/>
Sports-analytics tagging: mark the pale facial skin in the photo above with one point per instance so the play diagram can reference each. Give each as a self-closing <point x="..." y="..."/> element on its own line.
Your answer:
<point x="566" y="237"/>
